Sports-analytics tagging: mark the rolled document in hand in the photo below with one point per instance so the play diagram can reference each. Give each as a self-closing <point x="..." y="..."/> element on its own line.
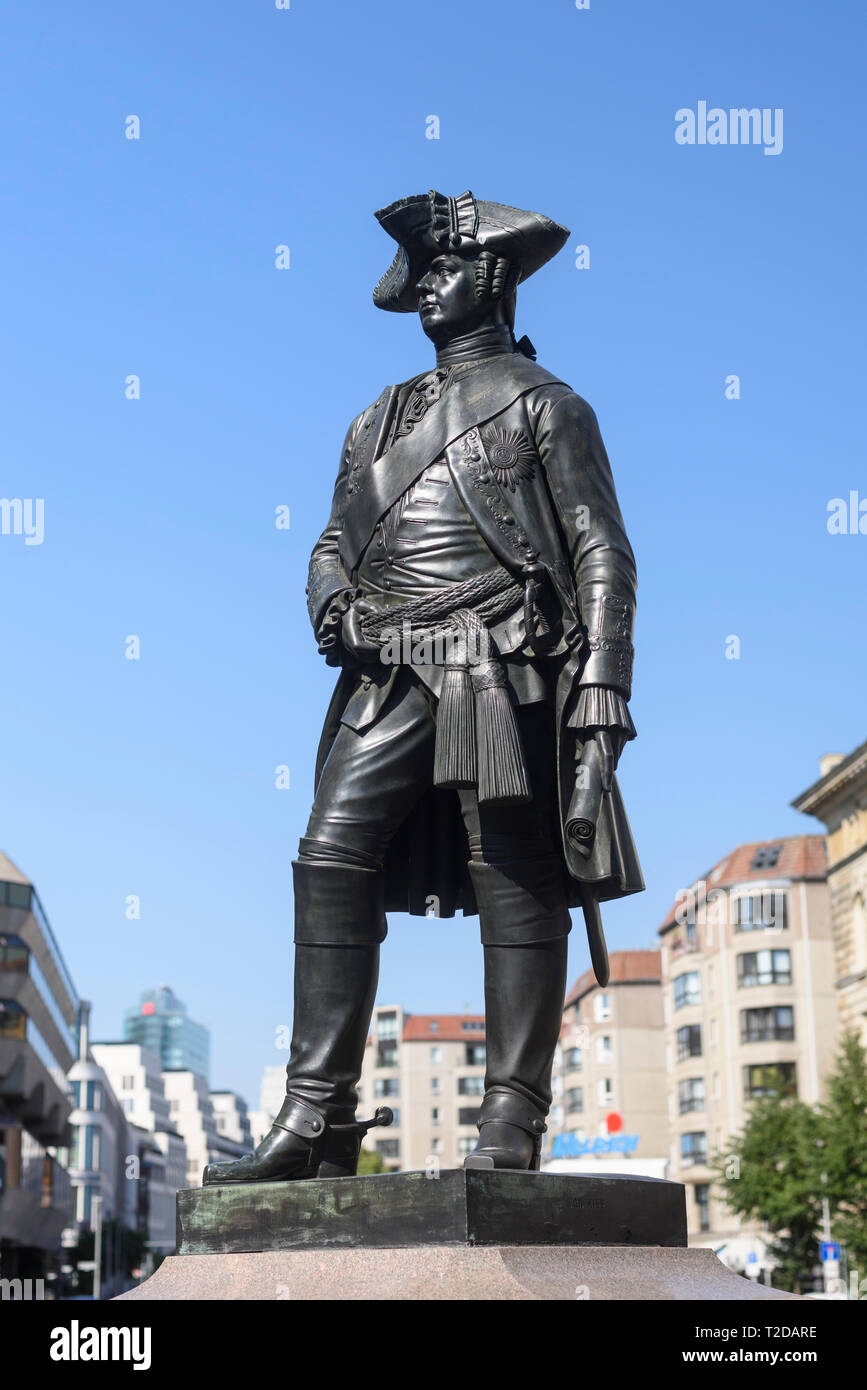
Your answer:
<point x="586" y="800"/>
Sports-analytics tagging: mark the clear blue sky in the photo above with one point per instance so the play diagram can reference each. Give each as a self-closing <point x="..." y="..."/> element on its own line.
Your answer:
<point x="155" y="257"/>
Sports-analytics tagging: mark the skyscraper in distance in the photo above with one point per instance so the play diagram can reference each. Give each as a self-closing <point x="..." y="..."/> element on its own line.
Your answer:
<point x="160" y="1023"/>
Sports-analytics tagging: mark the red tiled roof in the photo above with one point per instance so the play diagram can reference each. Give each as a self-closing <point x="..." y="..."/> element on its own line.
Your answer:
<point x="801" y="857"/>
<point x="627" y="968"/>
<point x="443" y="1028"/>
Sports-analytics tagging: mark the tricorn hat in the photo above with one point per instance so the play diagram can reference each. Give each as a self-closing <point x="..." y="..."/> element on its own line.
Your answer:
<point x="426" y="224"/>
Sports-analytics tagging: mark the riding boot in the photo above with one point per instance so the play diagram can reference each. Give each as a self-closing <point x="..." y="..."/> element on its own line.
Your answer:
<point x="339" y="925"/>
<point x="525" y="986"/>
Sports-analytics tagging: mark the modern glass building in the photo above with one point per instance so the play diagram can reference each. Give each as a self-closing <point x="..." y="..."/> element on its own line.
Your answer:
<point x="159" y="1022"/>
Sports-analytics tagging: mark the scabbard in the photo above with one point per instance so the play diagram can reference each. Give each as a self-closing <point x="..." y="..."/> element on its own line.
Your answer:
<point x="595" y="935"/>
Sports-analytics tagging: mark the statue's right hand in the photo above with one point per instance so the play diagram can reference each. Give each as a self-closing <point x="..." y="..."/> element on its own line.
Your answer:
<point x="351" y="634"/>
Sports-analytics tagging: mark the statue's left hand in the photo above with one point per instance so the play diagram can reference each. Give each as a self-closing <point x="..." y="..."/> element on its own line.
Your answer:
<point x="610" y="743"/>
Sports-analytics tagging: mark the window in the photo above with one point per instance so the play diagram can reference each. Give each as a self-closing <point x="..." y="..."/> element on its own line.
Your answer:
<point x="474" y="1055"/>
<point x="466" y="1144"/>
<point x="687" y="989"/>
<point x="13" y="1020"/>
<point x="14" y="954"/>
<point x="386" y="1086"/>
<point x="702" y="1202"/>
<point x="436" y="1055"/>
<point x="473" y="1025"/>
<point x="436" y="1116"/>
<point x="388" y="1148"/>
<point x="436" y="1145"/>
<point x="690" y="1094"/>
<point x="395" y="1115"/>
<point x="605" y="1091"/>
<point x="471" y="1085"/>
<point x="764" y="968"/>
<point x="602" y="1007"/>
<point x="434" y="1025"/>
<point x="688" y="1041"/>
<point x="768" y="1025"/>
<point x="764" y="910"/>
<point x="777" y="1078"/>
<point x="94" y="1095"/>
<point x="128" y="1105"/>
<point x="575" y="1100"/>
<point x="386" y="1025"/>
<point x="468" y="1114"/>
<point x="574" y="1059"/>
<point x="766" y="857"/>
<point x="434" y="1085"/>
<point x="386" y="1053"/>
<point x="604" y="1049"/>
<point x="693" y="1148"/>
<point x="127" y="1083"/>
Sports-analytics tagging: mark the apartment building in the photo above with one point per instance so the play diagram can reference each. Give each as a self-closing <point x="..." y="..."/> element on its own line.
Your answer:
<point x="430" y="1070"/>
<point x="38" y="1012"/>
<point x="839" y="800"/>
<point x="747" y="973"/>
<point x="609" y="1087"/>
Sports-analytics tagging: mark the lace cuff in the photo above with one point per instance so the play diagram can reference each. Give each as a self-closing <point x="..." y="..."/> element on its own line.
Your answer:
<point x="600" y="707"/>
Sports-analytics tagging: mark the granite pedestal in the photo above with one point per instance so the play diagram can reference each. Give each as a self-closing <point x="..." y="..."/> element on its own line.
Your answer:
<point x="461" y="1234"/>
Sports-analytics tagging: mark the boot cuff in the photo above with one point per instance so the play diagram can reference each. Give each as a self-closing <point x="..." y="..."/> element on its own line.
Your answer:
<point x="520" y="904"/>
<point x="337" y="905"/>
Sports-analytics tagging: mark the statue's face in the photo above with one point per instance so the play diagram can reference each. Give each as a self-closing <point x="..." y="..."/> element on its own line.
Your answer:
<point x="448" y="304"/>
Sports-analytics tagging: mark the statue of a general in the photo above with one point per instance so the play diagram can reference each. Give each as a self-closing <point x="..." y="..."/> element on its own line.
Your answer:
<point x="476" y="587"/>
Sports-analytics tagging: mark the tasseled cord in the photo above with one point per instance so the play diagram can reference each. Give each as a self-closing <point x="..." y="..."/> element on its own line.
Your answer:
<point x="455" y="752"/>
<point x="478" y="742"/>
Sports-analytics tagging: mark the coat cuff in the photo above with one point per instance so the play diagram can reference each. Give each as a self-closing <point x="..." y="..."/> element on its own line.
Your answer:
<point x="608" y="621"/>
<point x="325" y="580"/>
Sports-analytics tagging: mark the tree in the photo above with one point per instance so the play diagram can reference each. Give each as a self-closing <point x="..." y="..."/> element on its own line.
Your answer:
<point x="770" y="1175"/>
<point x="370" y="1162"/>
<point x="844" y="1152"/>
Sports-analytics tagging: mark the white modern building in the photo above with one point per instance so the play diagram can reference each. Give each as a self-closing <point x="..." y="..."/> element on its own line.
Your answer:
<point x="135" y="1077"/>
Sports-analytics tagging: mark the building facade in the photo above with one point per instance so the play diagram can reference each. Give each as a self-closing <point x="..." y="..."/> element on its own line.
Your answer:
<point x="160" y="1023"/>
<point x="749" y="1008"/>
<point x="233" y="1123"/>
<point x="839" y="800"/>
<point x="609" y="1085"/>
<point x="430" y="1070"/>
<point x="272" y="1094"/>
<point x="136" y="1079"/>
<point x="38" y="1014"/>
<point x="192" y="1114"/>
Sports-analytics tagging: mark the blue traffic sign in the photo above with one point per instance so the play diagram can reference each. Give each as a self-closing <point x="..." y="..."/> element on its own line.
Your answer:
<point x="829" y="1250"/>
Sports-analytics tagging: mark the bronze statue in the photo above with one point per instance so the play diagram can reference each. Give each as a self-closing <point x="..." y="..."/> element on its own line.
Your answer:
<point x="476" y="587"/>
